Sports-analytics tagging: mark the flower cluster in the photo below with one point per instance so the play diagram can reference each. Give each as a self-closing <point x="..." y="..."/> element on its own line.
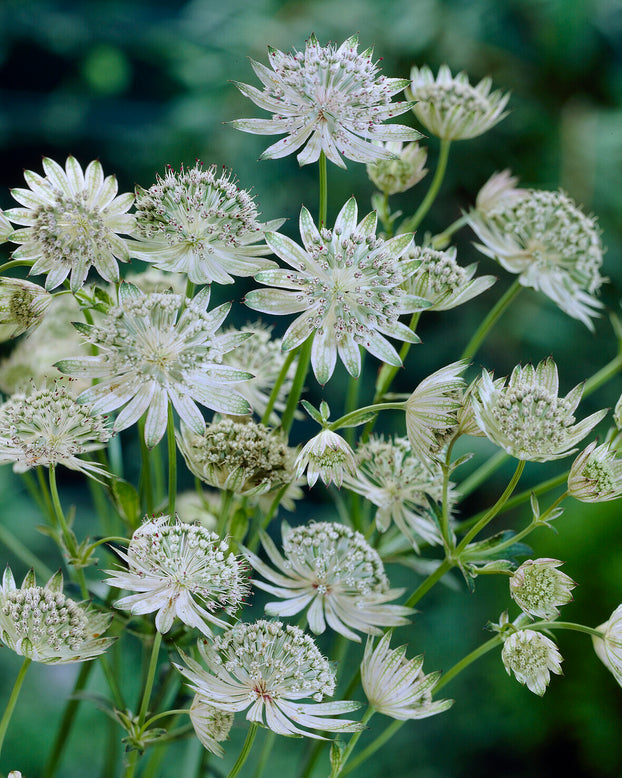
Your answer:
<point x="400" y="174"/>
<point x="331" y="99"/>
<point x="532" y="657"/>
<point x="538" y="587"/>
<point x="336" y="573"/>
<point x="596" y="474"/>
<point x="327" y="456"/>
<point x="22" y="306"/>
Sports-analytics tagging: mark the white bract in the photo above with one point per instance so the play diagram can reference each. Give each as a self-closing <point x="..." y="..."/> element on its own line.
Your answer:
<point x="181" y="571"/>
<point x="609" y="647"/>
<point x="210" y="724"/>
<point x="199" y="222"/>
<point x="526" y="417"/>
<point x="265" y="669"/>
<point x="596" y="474"/>
<point x="538" y="587"/>
<point x="553" y="247"/>
<point x="155" y="348"/>
<point x="42" y="624"/>
<point x="347" y="286"/>
<point x="331" y="99"/>
<point x="396" y="686"/>
<point x="450" y="108"/>
<point x="22" y="306"/>
<point x="327" y="456"/>
<point x="532" y="657"/>
<point x="73" y="220"/>
<point x="400" y="174"/>
<point x="333" y="571"/>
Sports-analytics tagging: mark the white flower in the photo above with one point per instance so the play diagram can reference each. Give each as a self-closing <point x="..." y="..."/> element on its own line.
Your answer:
<point x="41" y="623"/>
<point x="537" y="587"/>
<point x="526" y="418"/>
<point x="200" y="509"/>
<point x="431" y="410"/>
<point x="396" y="686"/>
<point x="335" y="572"/>
<point x="442" y="281"/>
<point x="450" y="108"/>
<point x="262" y="356"/>
<point x="596" y="474"/>
<point x="609" y="647"/>
<point x="347" y="287"/>
<point x="5" y="227"/>
<point x="547" y="240"/>
<point x="390" y="476"/>
<point x="392" y="176"/>
<point x="72" y="220"/>
<point x="211" y="725"/>
<point x="32" y="360"/>
<point x="328" y="456"/>
<point x="245" y="457"/>
<point x="46" y="427"/>
<point x="22" y="306"/>
<point x="532" y="657"/>
<point x="498" y="192"/>
<point x="200" y="222"/>
<point x="330" y="98"/>
<point x="180" y="570"/>
<point x="266" y="669"/>
<point x="158" y="348"/>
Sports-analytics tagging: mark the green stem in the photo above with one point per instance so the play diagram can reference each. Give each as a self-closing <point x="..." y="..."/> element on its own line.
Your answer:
<point x="373" y="746"/>
<point x="265" y="419"/>
<point x="442" y="239"/>
<point x="69" y="715"/>
<point x="352" y="743"/>
<point x="265" y="753"/>
<point x="145" y="487"/>
<point x="482" y="473"/>
<point x="374" y="408"/>
<point x="445" y="532"/>
<point x="491" y="319"/>
<point x="323" y="213"/>
<point x="10" y="707"/>
<point x="224" y="517"/>
<point x="250" y="737"/>
<point x="542" y="625"/>
<point x="410" y="225"/>
<point x="45" y="491"/>
<point x="172" y="461"/>
<point x="153" y="663"/>
<point x="15" y="263"/>
<point x="70" y="541"/>
<point x="603" y="375"/>
<point x="425" y="586"/>
<point x="304" y="358"/>
<point x="490" y="514"/>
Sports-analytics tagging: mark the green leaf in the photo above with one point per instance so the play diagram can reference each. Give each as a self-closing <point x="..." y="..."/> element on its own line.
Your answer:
<point x="126" y="501"/>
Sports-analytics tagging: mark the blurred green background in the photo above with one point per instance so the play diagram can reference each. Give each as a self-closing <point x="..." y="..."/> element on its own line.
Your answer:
<point x="143" y="84"/>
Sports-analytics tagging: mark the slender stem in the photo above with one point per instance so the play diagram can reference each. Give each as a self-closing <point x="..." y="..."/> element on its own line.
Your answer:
<point x="442" y="239"/>
<point x="374" y="408"/>
<point x="146" y="489"/>
<point x="304" y="357"/>
<point x="425" y="586"/>
<point x="445" y="532"/>
<point x="172" y="461"/>
<point x="69" y="715"/>
<point x="45" y="491"/>
<point x="265" y="419"/>
<point x="490" y="514"/>
<point x="265" y="753"/>
<point x="153" y="663"/>
<point x="482" y="473"/>
<point x="15" y="263"/>
<point x="373" y="746"/>
<point x="491" y="319"/>
<point x="603" y="375"/>
<point x="323" y="212"/>
<point x="10" y="707"/>
<point x="224" y="518"/>
<point x="70" y="541"/>
<point x="597" y="633"/>
<point x="352" y="743"/>
<point x="410" y="225"/>
<point x="250" y="737"/>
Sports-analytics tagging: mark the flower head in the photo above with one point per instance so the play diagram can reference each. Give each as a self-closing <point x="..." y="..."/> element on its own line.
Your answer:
<point x="180" y="570"/>
<point x="431" y="410"/>
<point x="609" y="647"/>
<point x="498" y="192"/>
<point x="242" y="456"/>
<point x="396" y="686"/>
<point x="328" y="456"/>
<point x="391" y="477"/>
<point x="46" y="427"/>
<point x="199" y="222"/>
<point x="526" y="417"/>
<point x="442" y="281"/>
<point x="532" y="657"/>
<point x="211" y="725"/>
<point x="347" y="286"/>
<point x="5" y="227"/>
<point x="450" y="108"/>
<point x="335" y="572"/>
<point x="266" y="669"/>
<point x="22" y="306"/>
<point x="262" y="356"/>
<point x="538" y="587"/>
<point x="400" y="174"/>
<point x="42" y="624"/>
<point x="331" y="99"/>
<point x="596" y="474"/>
<point x="72" y="222"/>
<point x="159" y="347"/>
<point x="547" y="240"/>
